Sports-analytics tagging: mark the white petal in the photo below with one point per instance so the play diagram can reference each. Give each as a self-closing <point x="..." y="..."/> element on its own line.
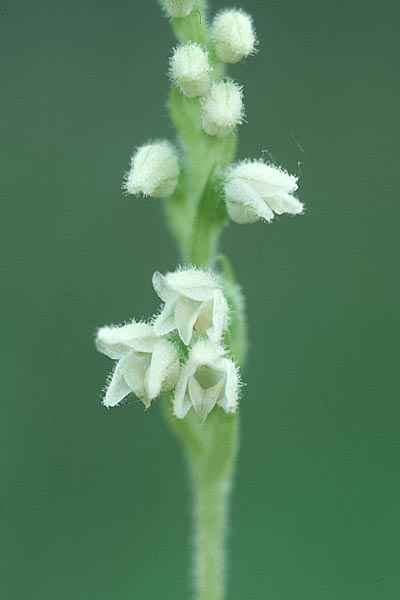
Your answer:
<point x="229" y="399"/>
<point x="117" y="388"/>
<point x="220" y="316"/>
<point x="204" y="353"/>
<point x="291" y="205"/>
<point x="134" y="366"/>
<point x="193" y="283"/>
<point x="162" y="288"/>
<point x="264" y="179"/>
<point x="204" y="400"/>
<point x="241" y="213"/>
<point x="204" y="319"/>
<point x="275" y="203"/>
<point x="185" y="316"/>
<point x="164" y="366"/>
<point x="165" y="322"/>
<point x="116" y="341"/>
<point x="181" y="400"/>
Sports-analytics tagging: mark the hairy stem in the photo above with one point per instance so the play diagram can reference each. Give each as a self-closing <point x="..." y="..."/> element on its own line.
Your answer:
<point x="196" y="214"/>
<point x="211" y="452"/>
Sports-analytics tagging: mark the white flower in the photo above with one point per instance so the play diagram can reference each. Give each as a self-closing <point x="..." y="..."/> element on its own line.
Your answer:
<point x="154" y="170"/>
<point x="147" y="364"/>
<point x="178" y="8"/>
<point x="222" y="108"/>
<point x="190" y="69"/>
<point x="208" y="379"/>
<point x="233" y="35"/>
<point x="194" y="301"/>
<point x="255" y="190"/>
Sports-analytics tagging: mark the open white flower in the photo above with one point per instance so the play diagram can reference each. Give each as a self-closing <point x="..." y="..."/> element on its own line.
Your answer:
<point x="147" y="364"/>
<point x="194" y="301"/>
<point x="255" y="190"/>
<point x="208" y="379"/>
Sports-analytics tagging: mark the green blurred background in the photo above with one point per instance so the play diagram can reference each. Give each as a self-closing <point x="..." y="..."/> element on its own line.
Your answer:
<point x="94" y="504"/>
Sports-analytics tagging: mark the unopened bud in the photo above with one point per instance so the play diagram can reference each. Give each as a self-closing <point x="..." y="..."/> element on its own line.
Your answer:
<point x="178" y="8"/>
<point x="233" y="35"/>
<point x="154" y="170"/>
<point x="223" y="108"/>
<point x="190" y="69"/>
<point x="255" y="190"/>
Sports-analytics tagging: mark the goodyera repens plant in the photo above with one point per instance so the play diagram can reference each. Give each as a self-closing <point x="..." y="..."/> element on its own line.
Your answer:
<point x="188" y="355"/>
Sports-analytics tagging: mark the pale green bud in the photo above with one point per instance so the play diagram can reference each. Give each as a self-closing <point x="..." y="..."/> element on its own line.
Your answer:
<point x="222" y="108"/>
<point x="154" y="170"/>
<point x="190" y="70"/>
<point x="233" y="35"/>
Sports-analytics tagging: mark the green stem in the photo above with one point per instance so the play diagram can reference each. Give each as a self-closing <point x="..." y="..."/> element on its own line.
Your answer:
<point x="211" y="452"/>
<point x="196" y="214"/>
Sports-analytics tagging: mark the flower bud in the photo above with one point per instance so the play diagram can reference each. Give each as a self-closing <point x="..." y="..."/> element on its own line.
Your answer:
<point x="255" y="190"/>
<point x="223" y="108"/>
<point x="178" y="8"/>
<point x="154" y="170"/>
<point x="189" y="70"/>
<point x="233" y="35"/>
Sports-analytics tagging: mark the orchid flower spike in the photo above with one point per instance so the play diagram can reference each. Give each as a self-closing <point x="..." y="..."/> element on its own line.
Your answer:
<point x="255" y="190"/>
<point x="147" y="365"/>
<point x="208" y="379"/>
<point x="194" y="302"/>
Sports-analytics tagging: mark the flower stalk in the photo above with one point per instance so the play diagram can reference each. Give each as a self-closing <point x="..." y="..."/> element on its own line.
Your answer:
<point x="189" y="354"/>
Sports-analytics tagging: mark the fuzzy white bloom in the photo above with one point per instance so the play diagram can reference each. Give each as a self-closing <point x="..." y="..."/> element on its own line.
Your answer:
<point x="208" y="379"/>
<point x="194" y="302"/>
<point x="154" y="170"/>
<point x="255" y="190"/>
<point x="222" y="108"/>
<point x="147" y="364"/>
<point x="233" y="35"/>
<point x="178" y="8"/>
<point x="190" y="69"/>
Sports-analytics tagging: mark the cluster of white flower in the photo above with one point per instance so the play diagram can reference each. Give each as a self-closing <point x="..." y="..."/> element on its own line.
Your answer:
<point x="253" y="189"/>
<point x="152" y="359"/>
<point x="181" y="349"/>
<point x="232" y="38"/>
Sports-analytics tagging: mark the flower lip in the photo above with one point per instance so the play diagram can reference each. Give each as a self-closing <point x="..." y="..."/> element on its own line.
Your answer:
<point x="209" y="378"/>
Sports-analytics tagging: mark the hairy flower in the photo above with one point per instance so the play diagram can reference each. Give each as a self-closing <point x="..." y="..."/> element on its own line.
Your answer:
<point x="233" y="35"/>
<point x="178" y="8"/>
<point x="147" y="364"/>
<point x="194" y="301"/>
<point x="154" y="170"/>
<point x="190" y="69"/>
<point x="222" y="108"/>
<point x="208" y="379"/>
<point x="255" y="190"/>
